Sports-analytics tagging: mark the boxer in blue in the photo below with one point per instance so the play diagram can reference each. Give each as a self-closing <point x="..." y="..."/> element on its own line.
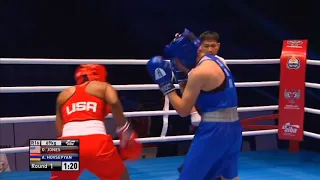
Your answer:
<point x="210" y="86"/>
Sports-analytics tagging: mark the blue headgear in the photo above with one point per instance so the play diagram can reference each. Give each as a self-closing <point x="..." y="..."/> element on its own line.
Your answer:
<point x="185" y="48"/>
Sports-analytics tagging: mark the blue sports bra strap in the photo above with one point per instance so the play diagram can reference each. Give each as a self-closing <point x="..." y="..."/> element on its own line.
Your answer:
<point x="216" y="59"/>
<point x="224" y="68"/>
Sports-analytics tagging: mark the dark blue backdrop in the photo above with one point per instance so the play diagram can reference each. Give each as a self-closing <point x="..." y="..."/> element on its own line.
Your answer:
<point x="140" y="29"/>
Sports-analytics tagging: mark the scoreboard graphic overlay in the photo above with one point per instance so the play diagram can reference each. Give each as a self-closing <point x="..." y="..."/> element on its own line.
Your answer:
<point x="54" y="155"/>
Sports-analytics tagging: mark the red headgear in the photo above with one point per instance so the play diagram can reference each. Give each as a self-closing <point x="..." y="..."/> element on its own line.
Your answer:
<point x="90" y="72"/>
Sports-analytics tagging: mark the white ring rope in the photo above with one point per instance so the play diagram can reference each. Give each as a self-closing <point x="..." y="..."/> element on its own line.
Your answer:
<point x="153" y="140"/>
<point x="129" y="61"/>
<point x="28" y="119"/>
<point x="168" y="139"/>
<point x="308" y="110"/>
<point x="137" y="87"/>
<point x="38" y="89"/>
<point x="313" y="85"/>
<point x="166" y="111"/>
<point x="132" y="87"/>
<point x="117" y="61"/>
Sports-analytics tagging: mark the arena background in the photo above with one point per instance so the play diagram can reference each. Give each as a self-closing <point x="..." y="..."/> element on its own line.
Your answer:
<point x="139" y="30"/>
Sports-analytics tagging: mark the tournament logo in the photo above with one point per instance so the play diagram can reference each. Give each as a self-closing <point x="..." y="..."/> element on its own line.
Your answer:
<point x="290" y="129"/>
<point x="293" y="63"/>
<point x="294" y="43"/>
<point x="292" y="96"/>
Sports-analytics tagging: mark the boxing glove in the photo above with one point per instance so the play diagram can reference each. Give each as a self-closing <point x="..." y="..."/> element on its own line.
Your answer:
<point x="130" y="148"/>
<point x="179" y="76"/>
<point x="160" y="72"/>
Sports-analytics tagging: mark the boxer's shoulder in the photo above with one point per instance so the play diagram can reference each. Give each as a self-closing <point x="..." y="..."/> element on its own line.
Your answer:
<point x="206" y="67"/>
<point x="199" y="73"/>
<point x="66" y="94"/>
<point x="207" y="72"/>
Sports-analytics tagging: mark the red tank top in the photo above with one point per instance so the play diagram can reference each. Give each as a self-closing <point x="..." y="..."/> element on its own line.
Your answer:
<point x="82" y="106"/>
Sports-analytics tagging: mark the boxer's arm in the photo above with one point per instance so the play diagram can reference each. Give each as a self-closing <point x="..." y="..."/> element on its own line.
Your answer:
<point x="193" y="110"/>
<point x="59" y="123"/>
<point x="182" y="86"/>
<point x="190" y="94"/>
<point x="111" y="97"/>
<point x="129" y="148"/>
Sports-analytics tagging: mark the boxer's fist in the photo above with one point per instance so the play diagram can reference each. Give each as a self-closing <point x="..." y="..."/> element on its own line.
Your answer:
<point x="133" y="150"/>
<point x="130" y="148"/>
<point x="179" y="76"/>
<point x="160" y="71"/>
<point x="126" y="133"/>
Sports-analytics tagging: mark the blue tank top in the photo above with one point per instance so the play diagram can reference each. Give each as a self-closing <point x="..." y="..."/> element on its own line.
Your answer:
<point x="209" y="101"/>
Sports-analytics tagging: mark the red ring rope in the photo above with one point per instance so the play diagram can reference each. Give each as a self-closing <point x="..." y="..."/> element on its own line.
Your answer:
<point x="246" y="123"/>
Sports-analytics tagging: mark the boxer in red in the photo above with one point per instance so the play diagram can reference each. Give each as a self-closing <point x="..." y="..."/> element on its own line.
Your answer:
<point x="80" y="113"/>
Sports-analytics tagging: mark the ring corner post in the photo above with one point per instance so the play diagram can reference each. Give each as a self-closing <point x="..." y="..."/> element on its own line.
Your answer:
<point x="292" y="92"/>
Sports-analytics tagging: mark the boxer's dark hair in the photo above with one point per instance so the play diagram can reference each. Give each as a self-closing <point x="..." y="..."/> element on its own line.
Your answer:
<point x="209" y="35"/>
<point x="85" y="78"/>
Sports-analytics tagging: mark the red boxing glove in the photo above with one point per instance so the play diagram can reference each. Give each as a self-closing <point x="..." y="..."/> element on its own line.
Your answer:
<point x="130" y="148"/>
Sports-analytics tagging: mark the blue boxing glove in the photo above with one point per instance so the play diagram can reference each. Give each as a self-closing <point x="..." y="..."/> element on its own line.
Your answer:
<point x="179" y="76"/>
<point x="160" y="71"/>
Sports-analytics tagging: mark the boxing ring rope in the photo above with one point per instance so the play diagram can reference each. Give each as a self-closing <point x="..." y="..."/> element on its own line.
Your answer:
<point x="166" y="111"/>
<point x="28" y="119"/>
<point x="133" y="87"/>
<point x="128" y="61"/>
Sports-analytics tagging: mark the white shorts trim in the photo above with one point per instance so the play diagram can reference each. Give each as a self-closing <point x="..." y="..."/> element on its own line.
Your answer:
<point x="82" y="128"/>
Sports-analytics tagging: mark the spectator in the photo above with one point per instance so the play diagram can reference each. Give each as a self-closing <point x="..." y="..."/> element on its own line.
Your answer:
<point x="4" y="165"/>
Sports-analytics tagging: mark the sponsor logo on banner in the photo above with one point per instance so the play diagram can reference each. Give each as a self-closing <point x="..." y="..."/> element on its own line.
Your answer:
<point x="293" y="63"/>
<point x="290" y="129"/>
<point x="292" y="96"/>
<point x="294" y="44"/>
